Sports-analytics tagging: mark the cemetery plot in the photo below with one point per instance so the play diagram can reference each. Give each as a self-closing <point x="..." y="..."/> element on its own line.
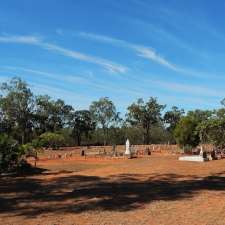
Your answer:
<point x="149" y="190"/>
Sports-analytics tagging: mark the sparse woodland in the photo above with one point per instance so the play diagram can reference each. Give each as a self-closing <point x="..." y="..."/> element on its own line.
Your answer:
<point x="30" y="122"/>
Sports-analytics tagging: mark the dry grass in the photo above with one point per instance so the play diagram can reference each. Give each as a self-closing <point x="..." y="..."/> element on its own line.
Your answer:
<point x="155" y="190"/>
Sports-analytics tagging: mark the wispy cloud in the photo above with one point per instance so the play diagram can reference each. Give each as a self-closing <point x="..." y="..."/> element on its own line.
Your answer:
<point x="20" y="39"/>
<point x="71" y="97"/>
<point x="142" y="51"/>
<point x="109" y="65"/>
<point x="189" y="93"/>
<point x="84" y="79"/>
<point x="15" y="68"/>
<point x="77" y="79"/>
<point x="33" y="40"/>
<point x="189" y="89"/>
<point x="151" y="54"/>
<point x="140" y="91"/>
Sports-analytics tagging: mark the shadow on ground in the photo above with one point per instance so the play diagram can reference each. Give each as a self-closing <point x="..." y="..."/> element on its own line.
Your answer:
<point x="30" y="196"/>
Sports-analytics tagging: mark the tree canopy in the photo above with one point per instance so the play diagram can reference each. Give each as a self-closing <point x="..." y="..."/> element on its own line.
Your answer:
<point x="145" y="115"/>
<point x="103" y="113"/>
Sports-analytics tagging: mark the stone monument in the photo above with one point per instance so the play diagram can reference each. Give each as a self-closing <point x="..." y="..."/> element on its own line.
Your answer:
<point x="201" y="152"/>
<point x="127" y="152"/>
<point x="202" y="157"/>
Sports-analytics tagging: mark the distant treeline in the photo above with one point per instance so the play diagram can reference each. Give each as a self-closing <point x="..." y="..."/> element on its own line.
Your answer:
<point x="28" y="122"/>
<point x="25" y="117"/>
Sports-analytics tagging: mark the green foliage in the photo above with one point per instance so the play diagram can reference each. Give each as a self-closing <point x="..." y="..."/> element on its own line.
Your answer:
<point x="82" y="124"/>
<point x="104" y="114"/>
<point x="16" y="108"/>
<point x="10" y="153"/>
<point x="51" y="115"/>
<point x="51" y="140"/>
<point x="45" y="122"/>
<point x="67" y="135"/>
<point x="186" y="133"/>
<point x="200" y="115"/>
<point x="145" y="115"/>
<point x="172" y="117"/>
<point x="27" y="147"/>
<point x="36" y="143"/>
<point x="213" y="130"/>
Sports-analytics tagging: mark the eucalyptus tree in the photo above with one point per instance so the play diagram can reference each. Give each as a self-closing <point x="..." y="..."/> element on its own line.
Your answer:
<point x="186" y="132"/>
<point x="212" y="130"/>
<point x="52" y="115"/>
<point x="17" y="108"/>
<point x="104" y="114"/>
<point x="81" y="124"/>
<point x="172" y="117"/>
<point x="145" y="115"/>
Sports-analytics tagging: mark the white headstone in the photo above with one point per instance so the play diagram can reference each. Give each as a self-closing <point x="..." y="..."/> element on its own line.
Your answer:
<point x="127" y="152"/>
<point x="201" y="151"/>
<point x="193" y="158"/>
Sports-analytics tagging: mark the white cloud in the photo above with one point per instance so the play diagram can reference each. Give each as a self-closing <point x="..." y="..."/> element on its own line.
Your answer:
<point x="151" y="54"/>
<point x="140" y="50"/>
<point x="77" y="79"/>
<point x="110" y="66"/>
<point x="20" y="39"/>
<point x="29" y="71"/>
<point x="189" y="88"/>
<point x="71" y="97"/>
<point x="33" y="40"/>
<point x="85" y="80"/>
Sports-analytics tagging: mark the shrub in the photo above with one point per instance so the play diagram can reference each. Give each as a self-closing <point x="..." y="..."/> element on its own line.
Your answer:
<point x="51" y="140"/>
<point x="10" y="153"/>
<point x="186" y="134"/>
<point x="36" y="143"/>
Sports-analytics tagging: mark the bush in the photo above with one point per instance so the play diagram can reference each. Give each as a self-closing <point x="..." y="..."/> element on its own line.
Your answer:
<point x="10" y="153"/>
<point x="27" y="147"/>
<point x="36" y="143"/>
<point x="186" y="134"/>
<point x="51" y="140"/>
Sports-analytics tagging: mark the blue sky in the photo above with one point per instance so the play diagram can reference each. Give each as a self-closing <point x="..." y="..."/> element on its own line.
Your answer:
<point x="82" y="50"/>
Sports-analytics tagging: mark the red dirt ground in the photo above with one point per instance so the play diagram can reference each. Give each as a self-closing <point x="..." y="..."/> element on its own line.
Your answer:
<point x="159" y="190"/>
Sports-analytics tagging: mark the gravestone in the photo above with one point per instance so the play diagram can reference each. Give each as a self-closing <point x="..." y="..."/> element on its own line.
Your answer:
<point x="147" y="151"/>
<point x="213" y="154"/>
<point x="202" y="157"/>
<point x="114" y="150"/>
<point x="128" y="151"/>
<point x="82" y="152"/>
<point x="201" y="152"/>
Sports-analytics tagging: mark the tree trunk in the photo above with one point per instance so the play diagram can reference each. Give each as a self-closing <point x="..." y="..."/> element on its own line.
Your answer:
<point x="104" y="134"/>
<point x="22" y="138"/>
<point x="147" y="140"/>
<point x="78" y="139"/>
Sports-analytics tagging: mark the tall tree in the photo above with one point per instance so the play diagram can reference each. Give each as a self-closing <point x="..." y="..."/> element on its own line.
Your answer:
<point x="145" y="115"/>
<point x="172" y="117"/>
<point x="17" y="105"/>
<point x="212" y="129"/>
<point x="104" y="114"/>
<point x="81" y="124"/>
<point x="200" y="115"/>
<point x="51" y="115"/>
<point x="186" y="132"/>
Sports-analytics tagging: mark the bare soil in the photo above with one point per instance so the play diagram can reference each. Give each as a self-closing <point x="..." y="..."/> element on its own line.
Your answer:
<point x="158" y="190"/>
